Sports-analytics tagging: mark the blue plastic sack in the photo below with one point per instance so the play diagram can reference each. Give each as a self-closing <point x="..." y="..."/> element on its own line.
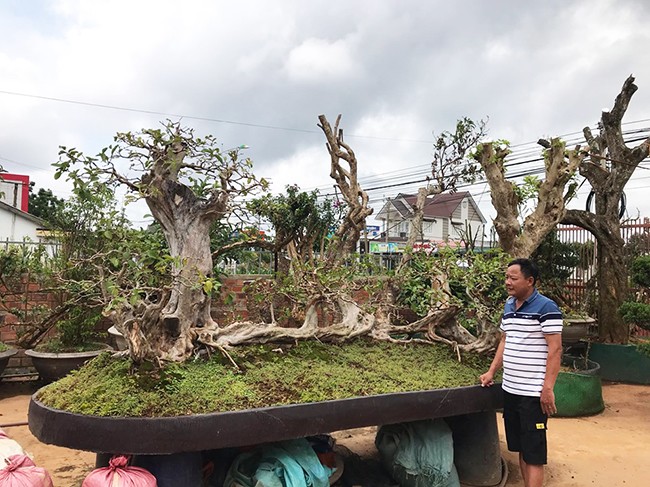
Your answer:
<point x="419" y="454"/>
<point x="290" y="463"/>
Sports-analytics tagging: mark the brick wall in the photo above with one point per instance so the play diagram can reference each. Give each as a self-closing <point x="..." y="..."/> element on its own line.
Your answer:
<point x="232" y="287"/>
<point x="20" y="364"/>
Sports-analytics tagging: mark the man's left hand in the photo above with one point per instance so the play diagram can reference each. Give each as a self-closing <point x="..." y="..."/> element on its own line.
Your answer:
<point x="547" y="401"/>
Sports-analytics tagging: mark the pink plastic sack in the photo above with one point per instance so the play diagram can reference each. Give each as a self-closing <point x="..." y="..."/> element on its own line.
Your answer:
<point x="119" y="474"/>
<point x="8" y="448"/>
<point x="21" y="472"/>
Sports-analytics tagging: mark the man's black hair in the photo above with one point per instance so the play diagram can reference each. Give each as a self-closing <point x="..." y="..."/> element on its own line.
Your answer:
<point x="528" y="268"/>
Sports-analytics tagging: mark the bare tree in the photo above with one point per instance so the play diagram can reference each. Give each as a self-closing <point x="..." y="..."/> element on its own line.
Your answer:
<point x="449" y="167"/>
<point x="608" y="168"/>
<point x="349" y="231"/>
<point x="521" y="239"/>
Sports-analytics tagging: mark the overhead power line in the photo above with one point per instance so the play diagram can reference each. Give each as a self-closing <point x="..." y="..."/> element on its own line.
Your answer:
<point x="203" y="119"/>
<point x="523" y="153"/>
<point x="520" y="157"/>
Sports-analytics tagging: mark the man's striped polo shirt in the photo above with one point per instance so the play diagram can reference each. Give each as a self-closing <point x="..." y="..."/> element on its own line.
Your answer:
<point x="524" y="356"/>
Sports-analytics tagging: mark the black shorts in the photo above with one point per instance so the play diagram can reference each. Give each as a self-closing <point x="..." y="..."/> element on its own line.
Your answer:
<point x="525" y="425"/>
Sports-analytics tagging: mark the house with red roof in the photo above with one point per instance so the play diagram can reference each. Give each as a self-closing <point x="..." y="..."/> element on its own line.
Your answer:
<point x="448" y="220"/>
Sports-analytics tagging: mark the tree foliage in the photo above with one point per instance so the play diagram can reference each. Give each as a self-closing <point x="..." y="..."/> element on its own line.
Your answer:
<point x="43" y="203"/>
<point x="301" y="222"/>
<point x="638" y="312"/>
<point x="557" y="259"/>
<point x="451" y="165"/>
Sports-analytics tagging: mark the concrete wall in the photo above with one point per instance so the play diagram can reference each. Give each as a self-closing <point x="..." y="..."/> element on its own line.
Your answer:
<point x="15" y="228"/>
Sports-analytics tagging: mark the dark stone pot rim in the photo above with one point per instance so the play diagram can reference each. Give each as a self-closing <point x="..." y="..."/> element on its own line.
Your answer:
<point x="578" y="320"/>
<point x="155" y="436"/>
<point x="612" y="345"/>
<point x="86" y="354"/>
<point x="592" y="368"/>
<point x="8" y="353"/>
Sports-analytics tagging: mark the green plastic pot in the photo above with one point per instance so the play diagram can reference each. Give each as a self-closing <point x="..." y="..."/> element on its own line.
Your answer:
<point x="621" y="363"/>
<point x="579" y="392"/>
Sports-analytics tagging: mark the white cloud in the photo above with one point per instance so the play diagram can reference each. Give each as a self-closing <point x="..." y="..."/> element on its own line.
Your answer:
<point x="395" y="70"/>
<point x="321" y="60"/>
<point x="307" y="167"/>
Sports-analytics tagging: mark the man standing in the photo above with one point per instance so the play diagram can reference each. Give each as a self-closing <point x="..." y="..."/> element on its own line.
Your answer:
<point x="529" y="351"/>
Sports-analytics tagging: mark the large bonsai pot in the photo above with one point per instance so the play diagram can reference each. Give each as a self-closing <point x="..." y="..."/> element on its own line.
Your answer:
<point x="173" y="443"/>
<point x="165" y="435"/>
<point x="578" y="389"/>
<point x="576" y="329"/>
<point x="53" y="366"/>
<point x="621" y="363"/>
<point x="4" y="358"/>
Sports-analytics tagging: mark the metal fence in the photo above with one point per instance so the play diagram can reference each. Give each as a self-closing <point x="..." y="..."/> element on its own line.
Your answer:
<point x="49" y="247"/>
<point x="250" y="262"/>
<point x="636" y="236"/>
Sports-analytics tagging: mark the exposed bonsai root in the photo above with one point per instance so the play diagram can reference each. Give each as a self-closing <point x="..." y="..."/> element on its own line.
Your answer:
<point x="438" y="326"/>
<point x="355" y="322"/>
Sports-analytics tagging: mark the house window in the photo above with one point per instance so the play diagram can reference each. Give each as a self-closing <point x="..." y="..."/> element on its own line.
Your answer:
<point x="403" y="228"/>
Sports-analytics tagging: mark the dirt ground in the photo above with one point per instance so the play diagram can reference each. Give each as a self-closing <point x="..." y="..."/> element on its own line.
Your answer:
<point x="610" y="449"/>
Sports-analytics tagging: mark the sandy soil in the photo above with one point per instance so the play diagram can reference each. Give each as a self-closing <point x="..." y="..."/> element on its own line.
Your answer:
<point x="610" y="449"/>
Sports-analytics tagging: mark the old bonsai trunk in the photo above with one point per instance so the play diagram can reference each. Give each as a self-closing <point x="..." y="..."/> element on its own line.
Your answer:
<point x="608" y="168"/>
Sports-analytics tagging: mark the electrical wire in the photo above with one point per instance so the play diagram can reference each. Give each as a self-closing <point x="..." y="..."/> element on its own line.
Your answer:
<point x="521" y="156"/>
<point x="195" y="117"/>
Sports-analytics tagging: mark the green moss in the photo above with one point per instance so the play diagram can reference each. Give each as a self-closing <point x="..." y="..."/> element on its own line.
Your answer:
<point x="306" y="372"/>
<point x="3" y="347"/>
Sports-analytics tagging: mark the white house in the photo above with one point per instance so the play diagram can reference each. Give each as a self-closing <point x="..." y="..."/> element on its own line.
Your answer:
<point x="17" y="225"/>
<point x="447" y="217"/>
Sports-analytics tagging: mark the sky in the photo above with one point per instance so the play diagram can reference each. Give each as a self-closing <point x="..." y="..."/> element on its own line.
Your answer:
<point x="259" y="73"/>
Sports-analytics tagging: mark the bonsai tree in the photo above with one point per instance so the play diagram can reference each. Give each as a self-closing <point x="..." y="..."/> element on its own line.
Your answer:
<point x="520" y="234"/>
<point x="188" y="183"/>
<point x="608" y="168"/>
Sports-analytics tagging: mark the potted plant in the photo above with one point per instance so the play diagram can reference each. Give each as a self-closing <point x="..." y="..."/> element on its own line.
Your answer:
<point x="168" y="320"/>
<point x="578" y="326"/>
<point x="21" y="277"/>
<point x="629" y="362"/>
<point x="74" y="342"/>
<point x="6" y="353"/>
<point x="578" y="388"/>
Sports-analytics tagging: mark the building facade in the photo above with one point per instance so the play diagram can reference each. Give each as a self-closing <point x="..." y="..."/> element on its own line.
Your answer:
<point x="449" y="219"/>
